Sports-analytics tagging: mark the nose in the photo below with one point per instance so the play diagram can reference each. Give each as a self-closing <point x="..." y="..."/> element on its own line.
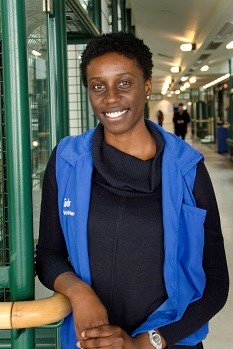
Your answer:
<point x="112" y="95"/>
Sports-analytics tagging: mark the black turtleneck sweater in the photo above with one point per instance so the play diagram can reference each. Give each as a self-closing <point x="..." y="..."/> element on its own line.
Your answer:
<point x="125" y="238"/>
<point x="125" y="233"/>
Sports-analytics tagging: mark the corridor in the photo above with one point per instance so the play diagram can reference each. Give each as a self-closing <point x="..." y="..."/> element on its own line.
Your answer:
<point x="221" y="173"/>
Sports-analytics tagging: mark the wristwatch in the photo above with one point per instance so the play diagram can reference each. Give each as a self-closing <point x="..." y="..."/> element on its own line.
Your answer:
<point x="155" y="339"/>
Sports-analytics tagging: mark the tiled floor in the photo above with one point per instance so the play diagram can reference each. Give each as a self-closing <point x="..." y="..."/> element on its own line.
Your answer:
<point x="221" y="173"/>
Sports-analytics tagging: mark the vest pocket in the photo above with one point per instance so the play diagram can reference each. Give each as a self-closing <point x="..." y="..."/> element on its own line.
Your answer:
<point x="194" y="210"/>
<point x="190" y="249"/>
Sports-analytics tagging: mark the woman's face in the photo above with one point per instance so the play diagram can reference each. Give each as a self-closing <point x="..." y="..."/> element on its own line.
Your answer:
<point x="117" y="91"/>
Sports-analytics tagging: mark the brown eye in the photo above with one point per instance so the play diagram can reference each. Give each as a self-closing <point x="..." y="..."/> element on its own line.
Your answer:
<point x="98" y="87"/>
<point x="124" y="83"/>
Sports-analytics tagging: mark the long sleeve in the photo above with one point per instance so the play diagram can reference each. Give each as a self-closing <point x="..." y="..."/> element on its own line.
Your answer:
<point x="51" y="251"/>
<point x="214" y="263"/>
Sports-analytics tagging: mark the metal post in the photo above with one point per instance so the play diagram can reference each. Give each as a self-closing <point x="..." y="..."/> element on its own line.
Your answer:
<point x="61" y="61"/>
<point x="230" y="112"/>
<point x="18" y="160"/>
<point x="81" y="102"/>
<point x="97" y="19"/>
<point x="87" y="110"/>
<point x="123" y="19"/>
<point x="56" y="126"/>
<point x="114" y="16"/>
<point x="133" y="29"/>
<point x="229" y="63"/>
<point x="128" y="20"/>
<point x="230" y="109"/>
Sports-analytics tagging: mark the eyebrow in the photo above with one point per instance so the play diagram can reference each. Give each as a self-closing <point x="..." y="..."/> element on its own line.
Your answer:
<point x="119" y="75"/>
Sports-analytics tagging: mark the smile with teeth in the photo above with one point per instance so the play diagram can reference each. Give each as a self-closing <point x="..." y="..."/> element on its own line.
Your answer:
<point x="116" y="114"/>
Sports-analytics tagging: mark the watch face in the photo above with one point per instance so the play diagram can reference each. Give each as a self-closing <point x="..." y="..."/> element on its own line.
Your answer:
<point x="155" y="339"/>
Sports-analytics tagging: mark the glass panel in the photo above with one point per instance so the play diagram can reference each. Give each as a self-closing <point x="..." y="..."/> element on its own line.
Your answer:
<point x="81" y="114"/>
<point x="38" y="99"/>
<point x="119" y="16"/>
<point x="84" y="4"/>
<point x="106" y="15"/>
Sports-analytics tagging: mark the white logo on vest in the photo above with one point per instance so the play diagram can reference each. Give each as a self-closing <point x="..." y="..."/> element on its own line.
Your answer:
<point x="67" y="203"/>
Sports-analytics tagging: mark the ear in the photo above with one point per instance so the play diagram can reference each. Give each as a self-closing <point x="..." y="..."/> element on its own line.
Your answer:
<point x="148" y="87"/>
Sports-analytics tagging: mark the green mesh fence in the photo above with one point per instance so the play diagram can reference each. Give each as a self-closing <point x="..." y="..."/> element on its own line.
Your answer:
<point x="81" y="114"/>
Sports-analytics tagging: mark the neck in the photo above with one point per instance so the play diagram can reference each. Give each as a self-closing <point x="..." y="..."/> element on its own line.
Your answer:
<point x="141" y="144"/>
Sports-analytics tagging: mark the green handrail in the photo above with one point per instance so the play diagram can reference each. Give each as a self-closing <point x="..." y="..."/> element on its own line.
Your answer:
<point x="18" y="154"/>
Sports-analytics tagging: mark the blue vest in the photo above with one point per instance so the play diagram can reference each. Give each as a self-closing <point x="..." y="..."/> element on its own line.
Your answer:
<point x="183" y="226"/>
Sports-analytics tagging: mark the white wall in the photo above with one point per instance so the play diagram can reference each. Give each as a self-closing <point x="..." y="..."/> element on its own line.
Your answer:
<point x="167" y="108"/>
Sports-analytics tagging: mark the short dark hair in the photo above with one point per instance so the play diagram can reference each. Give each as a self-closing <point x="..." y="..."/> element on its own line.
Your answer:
<point x="124" y="43"/>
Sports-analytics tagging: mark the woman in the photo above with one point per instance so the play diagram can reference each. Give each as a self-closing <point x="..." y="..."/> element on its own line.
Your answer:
<point x="130" y="229"/>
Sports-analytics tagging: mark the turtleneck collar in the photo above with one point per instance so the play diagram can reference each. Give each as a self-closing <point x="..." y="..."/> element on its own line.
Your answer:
<point x="125" y="174"/>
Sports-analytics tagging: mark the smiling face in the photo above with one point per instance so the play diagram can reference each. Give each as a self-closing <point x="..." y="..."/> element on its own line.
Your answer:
<point x="117" y="91"/>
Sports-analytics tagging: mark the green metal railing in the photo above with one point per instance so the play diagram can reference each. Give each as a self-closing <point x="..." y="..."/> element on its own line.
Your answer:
<point x="61" y="60"/>
<point x="46" y="338"/>
<point x="20" y="115"/>
<point x="94" y="10"/>
<point x="114" y="7"/>
<point x="16" y="238"/>
<point x="18" y="156"/>
<point x="4" y="234"/>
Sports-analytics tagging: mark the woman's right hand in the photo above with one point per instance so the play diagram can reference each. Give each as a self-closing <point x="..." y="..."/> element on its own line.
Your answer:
<point x="88" y="310"/>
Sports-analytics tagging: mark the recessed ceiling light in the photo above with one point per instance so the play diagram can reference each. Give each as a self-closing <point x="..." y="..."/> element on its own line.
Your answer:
<point x="188" y="47"/>
<point x="187" y="84"/>
<point x="193" y="79"/>
<point x="177" y="92"/>
<point x="35" y="143"/>
<point x="184" y="78"/>
<point x="205" y="68"/>
<point x="175" y="69"/>
<point x="36" y="53"/>
<point x="229" y="45"/>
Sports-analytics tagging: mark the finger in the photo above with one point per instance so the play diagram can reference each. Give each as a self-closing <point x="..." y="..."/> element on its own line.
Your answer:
<point x="101" y="331"/>
<point x="102" y="342"/>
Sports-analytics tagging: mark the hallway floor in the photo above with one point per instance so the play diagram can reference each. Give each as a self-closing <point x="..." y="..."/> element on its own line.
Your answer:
<point x="221" y="173"/>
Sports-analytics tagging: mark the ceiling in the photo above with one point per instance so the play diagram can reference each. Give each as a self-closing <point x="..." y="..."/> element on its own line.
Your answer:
<point x="165" y="24"/>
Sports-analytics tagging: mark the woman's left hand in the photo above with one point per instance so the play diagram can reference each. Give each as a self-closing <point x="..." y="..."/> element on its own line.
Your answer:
<point x="106" y="336"/>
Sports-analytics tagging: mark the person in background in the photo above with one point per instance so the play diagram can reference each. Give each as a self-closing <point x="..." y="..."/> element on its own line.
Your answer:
<point x="181" y="119"/>
<point x="160" y="118"/>
<point x="130" y="229"/>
